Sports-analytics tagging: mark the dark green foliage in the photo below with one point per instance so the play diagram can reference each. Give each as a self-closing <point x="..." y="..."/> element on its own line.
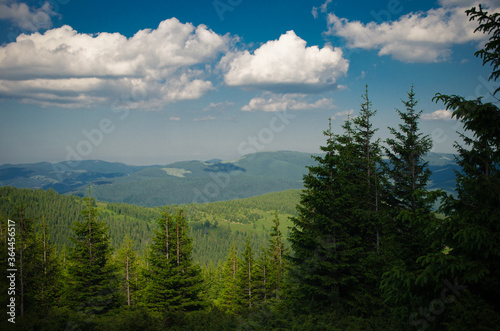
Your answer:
<point x="411" y="214"/>
<point x="92" y="283"/>
<point x="471" y="230"/>
<point x="127" y="264"/>
<point x="408" y="171"/>
<point x="174" y="283"/>
<point x="229" y="294"/>
<point x="325" y="240"/>
<point x="246" y="281"/>
<point x="489" y="24"/>
<point x="275" y="261"/>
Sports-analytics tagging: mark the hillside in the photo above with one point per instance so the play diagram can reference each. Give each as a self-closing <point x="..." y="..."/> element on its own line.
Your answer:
<point x="187" y="181"/>
<point x="214" y="226"/>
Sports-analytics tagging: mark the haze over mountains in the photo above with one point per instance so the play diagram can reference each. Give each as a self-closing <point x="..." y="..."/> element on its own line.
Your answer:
<point x="187" y="181"/>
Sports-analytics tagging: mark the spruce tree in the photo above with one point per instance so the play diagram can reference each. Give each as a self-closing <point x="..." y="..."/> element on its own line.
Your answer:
<point x="408" y="171"/>
<point x="174" y="282"/>
<point x="263" y="289"/>
<point x="411" y="214"/>
<point x="246" y="282"/>
<point x="370" y="207"/>
<point x="92" y="287"/>
<point x="466" y="247"/>
<point x="325" y="236"/>
<point x="48" y="279"/>
<point x="127" y="265"/>
<point x="229" y="296"/>
<point x="276" y="259"/>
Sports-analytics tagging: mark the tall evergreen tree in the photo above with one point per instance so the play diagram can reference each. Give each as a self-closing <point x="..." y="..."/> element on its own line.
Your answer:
<point x="325" y="236"/>
<point x="370" y="208"/>
<point x="406" y="151"/>
<point x="127" y="261"/>
<point x="48" y="281"/>
<point x="26" y="252"/>
<point x="92" y="280"/>
<point x="408" y="176"/>
<point x="174" y="282"/>
<point x="466" y="247"/>
<point x="276" y="259"/>
<point x="246" y="282"/>
<point x="229" y="295"/>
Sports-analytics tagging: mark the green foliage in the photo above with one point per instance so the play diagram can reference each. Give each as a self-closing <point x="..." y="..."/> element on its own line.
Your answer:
<point x="229" y="294"/>
<point x="174" y="283"/>
<point x="92" y="281"/>
<point x="488" y="24"/>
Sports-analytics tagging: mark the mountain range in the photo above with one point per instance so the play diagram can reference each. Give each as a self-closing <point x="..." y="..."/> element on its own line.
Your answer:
<point x="187" y="181"/>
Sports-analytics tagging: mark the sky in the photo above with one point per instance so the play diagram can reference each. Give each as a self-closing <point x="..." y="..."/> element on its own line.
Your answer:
<point x="154" y="82"/>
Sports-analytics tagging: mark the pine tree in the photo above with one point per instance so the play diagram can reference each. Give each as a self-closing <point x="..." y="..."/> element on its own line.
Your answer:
<point x="92" y="281"/>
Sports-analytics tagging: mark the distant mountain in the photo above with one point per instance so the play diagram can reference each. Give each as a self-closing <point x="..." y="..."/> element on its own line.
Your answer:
<point x="187" y="181"/>
<point x="63" y="177"/>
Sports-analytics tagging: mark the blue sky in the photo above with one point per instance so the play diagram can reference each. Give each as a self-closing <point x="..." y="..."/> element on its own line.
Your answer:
<point x="154" y="82"/>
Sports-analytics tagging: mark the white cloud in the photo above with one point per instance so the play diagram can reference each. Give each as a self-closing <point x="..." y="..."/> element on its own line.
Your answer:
<point x="218" y="106"/>
<point x="286" y="65"/>
<point x="415" y="37"/>
<point x="274" y="102"/>
<point x="174" y="118"/>
<point x="62" y="67"/>
<point x="442" y="114"/>
<point x="343" y="113"/>
<point x="205" y="118"/>
<point x="28" y="19"/>
<point x="322" y="8"/>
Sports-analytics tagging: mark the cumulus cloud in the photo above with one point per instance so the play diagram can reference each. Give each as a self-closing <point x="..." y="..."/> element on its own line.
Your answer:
<point x="441" y="114"/>
<point x="65" y="68"/>
<point x="286" y="65"/>
<point x="274" y="102"/>
<point x="414" y="37"/>
<point x="174" y="118"/>
<point x="28" y="19"/>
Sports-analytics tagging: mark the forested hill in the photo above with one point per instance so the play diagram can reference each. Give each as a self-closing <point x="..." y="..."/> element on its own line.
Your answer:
<point x="189" y="181"/>
<point x="214" y="226"/>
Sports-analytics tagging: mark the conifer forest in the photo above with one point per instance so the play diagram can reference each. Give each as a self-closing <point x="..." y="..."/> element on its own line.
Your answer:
<point x="364" y="246"/>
